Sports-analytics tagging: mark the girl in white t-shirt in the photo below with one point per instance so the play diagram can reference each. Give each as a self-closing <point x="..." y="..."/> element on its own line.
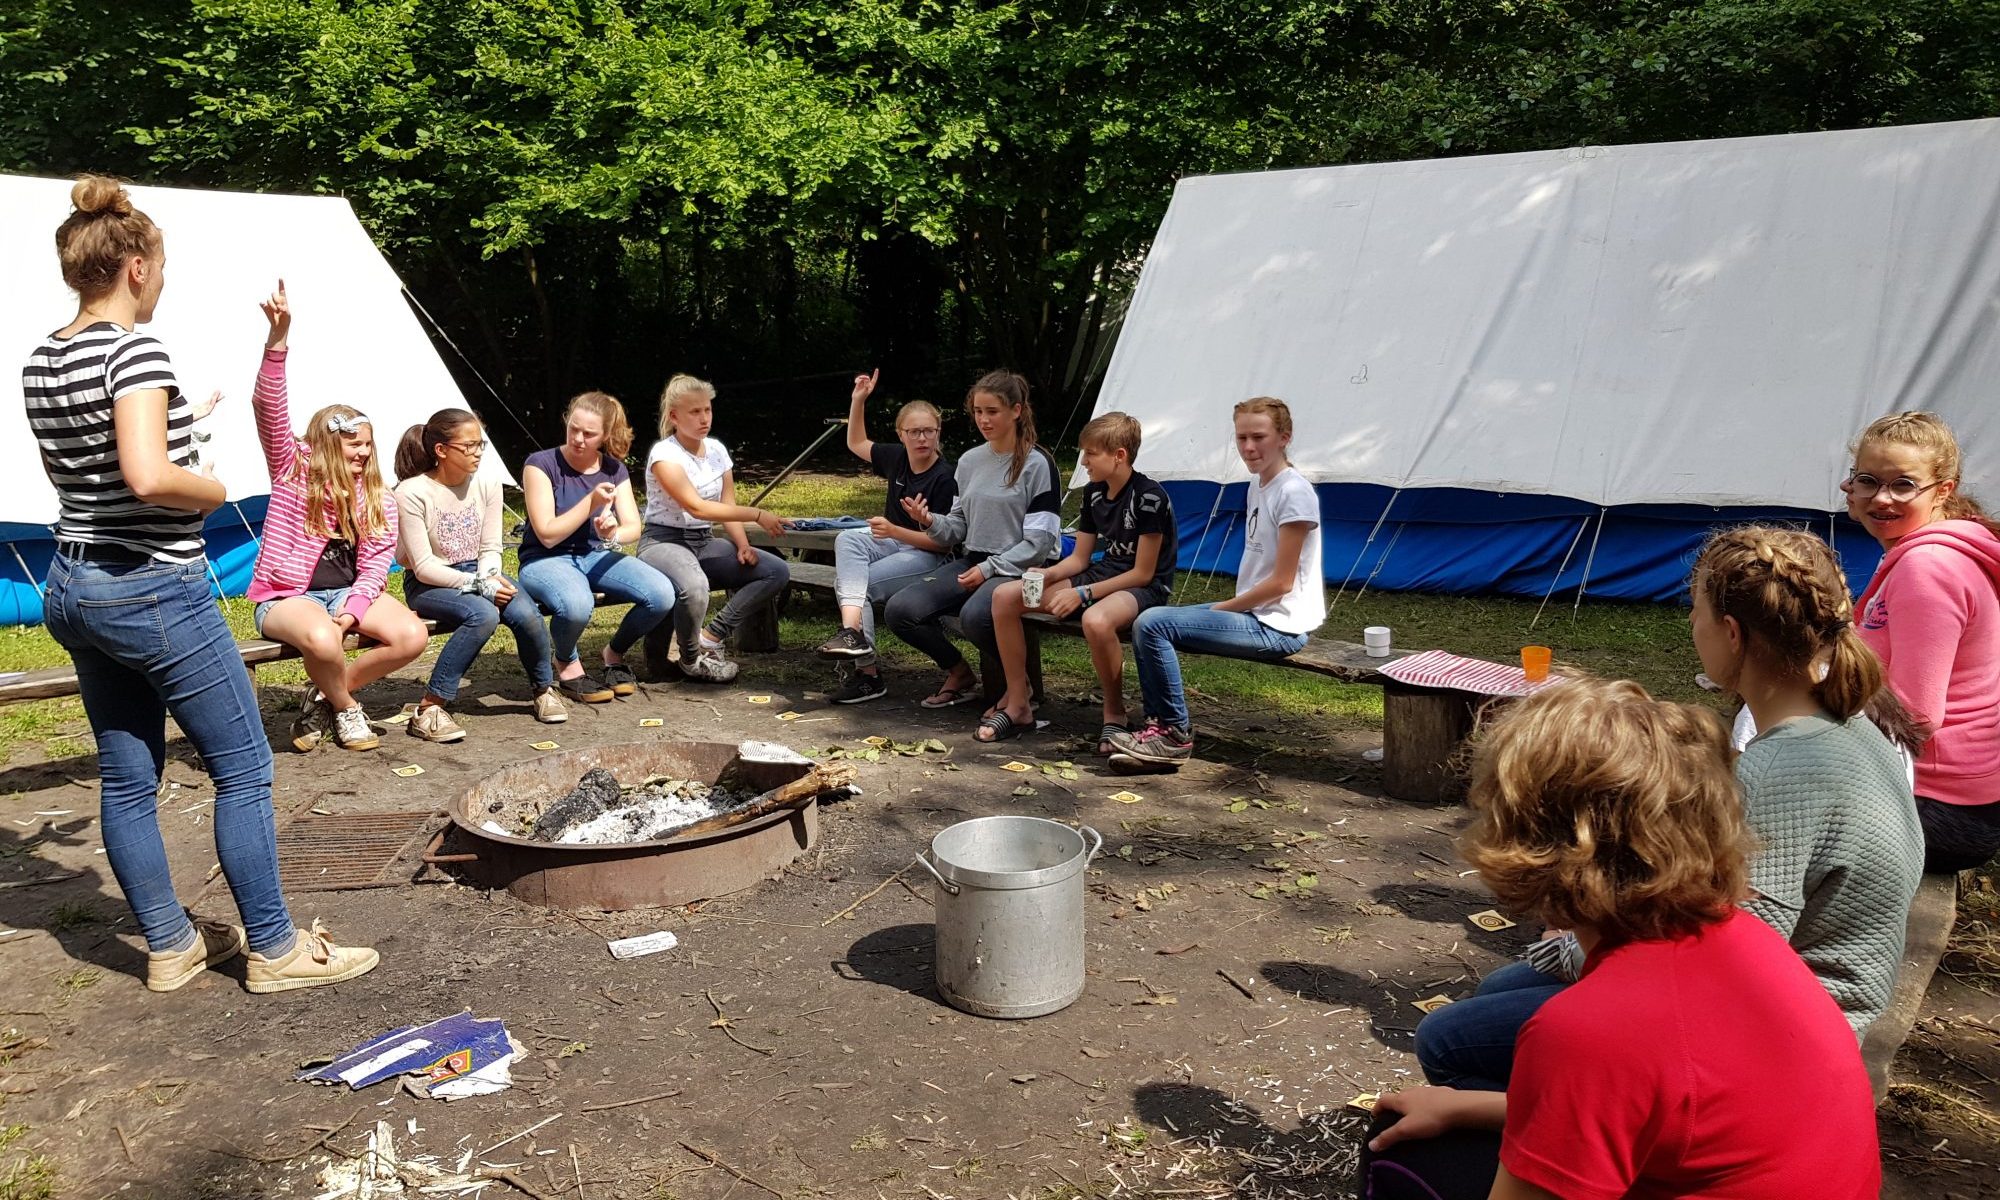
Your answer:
<point x="1280" y="597"/>
<point x="692" y="486"/>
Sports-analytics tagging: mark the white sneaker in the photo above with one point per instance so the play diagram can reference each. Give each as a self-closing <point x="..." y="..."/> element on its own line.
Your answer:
<point x="710" y="667"/>
<point x="549" y="708"/>
<point x="352" y="731"/>
<point x="433" y="724"/>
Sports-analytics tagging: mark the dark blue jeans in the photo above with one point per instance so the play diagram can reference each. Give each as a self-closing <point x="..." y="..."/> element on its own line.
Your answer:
<point x="148" y="640"/>
<point x="472" y="619"/>
<point x="1470" y="1045"/>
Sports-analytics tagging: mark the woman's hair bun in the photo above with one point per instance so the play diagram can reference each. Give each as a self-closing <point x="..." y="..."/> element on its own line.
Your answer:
<point x="100" y="194"/>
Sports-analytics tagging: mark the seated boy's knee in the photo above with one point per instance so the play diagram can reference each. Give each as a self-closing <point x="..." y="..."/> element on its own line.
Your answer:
<point x="1099" y="624"/>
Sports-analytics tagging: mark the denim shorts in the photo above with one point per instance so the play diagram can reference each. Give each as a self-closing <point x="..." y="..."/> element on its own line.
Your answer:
<point x="331" y="599"/>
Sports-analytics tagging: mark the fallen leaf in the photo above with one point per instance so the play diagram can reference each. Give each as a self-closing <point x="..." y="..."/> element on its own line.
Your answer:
<point x="1030" y="1077"/>
<point x="1023" y="791"/>
<point x="1088" y="1052"/>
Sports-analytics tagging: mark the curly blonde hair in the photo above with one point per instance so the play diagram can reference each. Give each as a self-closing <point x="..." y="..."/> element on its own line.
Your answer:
<point x="1599" y="805"/>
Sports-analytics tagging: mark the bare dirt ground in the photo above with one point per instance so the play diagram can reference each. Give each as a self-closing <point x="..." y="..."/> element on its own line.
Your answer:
<point x="1273" y="866"/>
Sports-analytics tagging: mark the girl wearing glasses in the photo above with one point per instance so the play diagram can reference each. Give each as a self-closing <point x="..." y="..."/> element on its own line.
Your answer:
<point x="449" y="542"/>
<point x="329" y="536"/>
<point x="869" y="566"/>
<point x="1932" y="613"/>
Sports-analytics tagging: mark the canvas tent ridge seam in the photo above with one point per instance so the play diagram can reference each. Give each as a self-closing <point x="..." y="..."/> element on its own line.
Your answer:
<point x="1589" y="560"/>
<point x="1361" y="553"/>
<point x="1557" y="581"/>
<point x="446" y="338"/>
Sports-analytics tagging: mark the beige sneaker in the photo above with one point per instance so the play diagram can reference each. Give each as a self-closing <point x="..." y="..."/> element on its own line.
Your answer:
<point x="214" y="942"/>
<point x="433" y="724"/>
<point x="549" y="708"/>
<point x="312" y="961"/>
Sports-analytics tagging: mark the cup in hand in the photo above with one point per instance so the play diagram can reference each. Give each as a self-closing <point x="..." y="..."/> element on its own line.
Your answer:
<point x="1031" y="589"/>
<point x="1535" y="662"/>
<point x="1376" y="639"/>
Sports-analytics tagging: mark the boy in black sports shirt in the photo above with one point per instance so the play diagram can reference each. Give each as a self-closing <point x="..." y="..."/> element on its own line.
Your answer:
<point x="1129" y="517"/>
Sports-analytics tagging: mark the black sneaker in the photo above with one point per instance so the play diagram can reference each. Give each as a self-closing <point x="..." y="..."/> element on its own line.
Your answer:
<point x="620" y="680"/>
<point x="858" y="687"/>
<point x="586" y="689"/>
<point x="848" y="643"/>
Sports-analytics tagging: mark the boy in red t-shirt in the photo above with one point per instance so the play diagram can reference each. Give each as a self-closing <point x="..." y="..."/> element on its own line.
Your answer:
<point x="1607" y="812"/>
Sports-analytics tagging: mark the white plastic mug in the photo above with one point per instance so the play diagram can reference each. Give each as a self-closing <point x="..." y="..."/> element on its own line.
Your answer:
<point x="1376" y="639"/>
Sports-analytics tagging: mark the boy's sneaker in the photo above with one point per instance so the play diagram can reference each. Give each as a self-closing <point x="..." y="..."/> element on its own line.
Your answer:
<point x="858" y="687"/>
<point x="314" y="721"/>
<point x="549" y="708"/>
<point x="586" y="689"/>
<point x="214" y="942"/>
<point x="848" y="643"/>
<point x="1158" y="745"/>
<point x="709" y="667"/>
<point x="433" y="724"/>
<point x="620" y="680"/>
<point x="352" y="730"/>
<point x="312" y="961"/>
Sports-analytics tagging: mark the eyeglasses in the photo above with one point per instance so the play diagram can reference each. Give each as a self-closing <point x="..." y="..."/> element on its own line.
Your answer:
<point x="478" y="447"/>
<point x="928" y="431"/>
<point x="1901" y="492"/>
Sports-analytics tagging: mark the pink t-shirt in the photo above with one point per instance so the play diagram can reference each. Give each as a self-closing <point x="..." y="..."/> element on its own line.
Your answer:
<point x="1709" y="1066"/>
<point x="1932" y="612"/>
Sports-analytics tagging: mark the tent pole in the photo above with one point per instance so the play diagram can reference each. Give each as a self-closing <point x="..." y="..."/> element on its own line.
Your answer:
<point x="1588" y="562"/>
<point x="212" y="576"/>
<point x="1557" y="581"/>
<point x="248" y="527"/>
<point x="1364" y="546"/>
<point x="1380" y="562"/>
<point x="1203" y="543"/>
<point x="446" y="338"/>
<point x="25" y="572"/>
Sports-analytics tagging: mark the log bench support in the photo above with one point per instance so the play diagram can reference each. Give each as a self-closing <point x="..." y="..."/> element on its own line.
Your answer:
<point x="1422" y="731"/>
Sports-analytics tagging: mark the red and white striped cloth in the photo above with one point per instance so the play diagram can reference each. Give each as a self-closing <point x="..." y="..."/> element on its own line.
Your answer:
<point x="1443" y="669"/>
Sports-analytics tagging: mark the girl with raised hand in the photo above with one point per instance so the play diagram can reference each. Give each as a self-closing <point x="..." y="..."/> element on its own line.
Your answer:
<point x="1005" y="518"/>
<point x="693" y="487"/>
<point x="128" y="597"/>
<point x="329" y="537"/>
<point x="448" y="541"/>
<point x="1671" y="1066"/>
<point x="1932" y="613"/>
<point x="869" y="567"/>
<point x="1827" y="794"/>
<point x="580" y="510"/>
<point x="1280" y="597"/>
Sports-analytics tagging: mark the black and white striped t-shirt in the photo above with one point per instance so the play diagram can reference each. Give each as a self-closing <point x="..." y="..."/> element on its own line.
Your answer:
<point x="70" y="385"/>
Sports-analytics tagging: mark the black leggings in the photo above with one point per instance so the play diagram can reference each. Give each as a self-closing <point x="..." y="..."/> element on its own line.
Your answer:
<point x="1958" y="837"/>
<point x="1458" y="1166"/>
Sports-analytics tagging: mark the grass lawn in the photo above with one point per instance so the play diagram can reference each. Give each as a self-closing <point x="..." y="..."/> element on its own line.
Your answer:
<point x="1648" y="643"/>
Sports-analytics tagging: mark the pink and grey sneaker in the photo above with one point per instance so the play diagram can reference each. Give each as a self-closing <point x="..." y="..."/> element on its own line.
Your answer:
<point x="1155" y="747"/>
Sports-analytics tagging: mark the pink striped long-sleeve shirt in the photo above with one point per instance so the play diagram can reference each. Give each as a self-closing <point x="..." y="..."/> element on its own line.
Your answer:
<point x="289" y="551"/>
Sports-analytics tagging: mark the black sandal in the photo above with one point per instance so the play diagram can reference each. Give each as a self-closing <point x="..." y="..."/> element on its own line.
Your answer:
<point x="1104" y="746"/>
<point x="1004" y="727"/>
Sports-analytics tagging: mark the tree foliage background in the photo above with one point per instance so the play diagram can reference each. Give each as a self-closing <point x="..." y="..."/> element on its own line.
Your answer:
<point x="773" y="193"/>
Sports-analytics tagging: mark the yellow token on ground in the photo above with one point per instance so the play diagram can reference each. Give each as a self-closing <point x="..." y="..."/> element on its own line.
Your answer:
<point x="875" y="741"/>
<point x="1127" y="797"/>
<point x="407" y="772"/>
<point x="788" y="715"/>
<point x="1016" y="766"/>
<point x="650" y="722"/>
<point x="760" y="699"/>
<point x="1490" y="920"/>
<point x="1431" y="1004"/>
<point x="543" y="746"/>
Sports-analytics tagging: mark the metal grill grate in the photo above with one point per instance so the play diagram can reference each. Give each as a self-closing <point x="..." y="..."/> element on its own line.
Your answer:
<point x="323" y="853"/>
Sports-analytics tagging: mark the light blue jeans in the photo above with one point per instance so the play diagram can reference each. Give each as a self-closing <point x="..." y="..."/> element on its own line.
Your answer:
<point x="1198" y="628"/>
<point x="148" y="640"/>
<point x="562" y="585"/>
<point x="867" y="570"/>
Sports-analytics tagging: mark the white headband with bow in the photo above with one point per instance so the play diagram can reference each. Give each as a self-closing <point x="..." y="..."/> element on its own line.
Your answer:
<point x="347" y="425"/>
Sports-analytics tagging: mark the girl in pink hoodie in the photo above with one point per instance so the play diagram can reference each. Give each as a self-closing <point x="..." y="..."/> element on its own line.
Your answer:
<point x="1932" y="612"/>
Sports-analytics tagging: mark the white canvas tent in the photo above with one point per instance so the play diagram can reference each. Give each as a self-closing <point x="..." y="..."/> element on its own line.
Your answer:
<point x="1495" y="342"/>
<point x="354" y="340"/>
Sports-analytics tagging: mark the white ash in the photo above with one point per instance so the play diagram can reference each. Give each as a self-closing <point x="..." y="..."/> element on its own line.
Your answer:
<point x="654" y="810"/>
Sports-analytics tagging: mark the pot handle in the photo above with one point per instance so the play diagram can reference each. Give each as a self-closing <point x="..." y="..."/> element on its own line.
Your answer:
<point x="1098" y="843"/>
<point x="944" y="883"/>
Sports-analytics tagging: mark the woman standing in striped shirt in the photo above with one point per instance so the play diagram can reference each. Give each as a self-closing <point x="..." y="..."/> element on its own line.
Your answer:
<point x="128" y="597"/>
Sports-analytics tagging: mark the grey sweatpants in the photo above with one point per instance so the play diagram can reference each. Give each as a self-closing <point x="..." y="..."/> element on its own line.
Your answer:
<point x="699" y="563"/>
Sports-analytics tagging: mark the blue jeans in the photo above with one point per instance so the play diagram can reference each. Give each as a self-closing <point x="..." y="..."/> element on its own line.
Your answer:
<point x="1470" y="1045"/>
<point x="472" y="619"/>
<point x="147" y="641"/>
<point x="867" y="570"/>
<point x="562" y="585"/>
<point x="1202" y="630"/>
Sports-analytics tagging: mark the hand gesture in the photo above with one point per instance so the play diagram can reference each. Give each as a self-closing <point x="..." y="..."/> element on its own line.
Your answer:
<point x="606" y="524"/>
<point x="919" y="511"/>
<point x="1061" y="602"/>
<point x="864" y="385"/>
<point x="278" y="311"/>
<point x="345" y="623"/>
<point x="200" y="409"/>
<point x="206" y="470"/>
<point x="972" y="580"/>
<point x="602" y="494"/>
<point x="1427" y="1113"/>
<point x="747" y="555"/>
<point x="879" y="527"/>
<point x="769" y="522"/>
<point x="503" y="590"/>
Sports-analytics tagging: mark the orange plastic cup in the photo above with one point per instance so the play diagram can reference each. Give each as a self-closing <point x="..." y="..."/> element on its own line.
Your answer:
<point x="1535" y="662"/>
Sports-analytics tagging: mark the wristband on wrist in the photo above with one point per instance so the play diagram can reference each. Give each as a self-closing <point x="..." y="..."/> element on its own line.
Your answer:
<point x="1086" y="595"/>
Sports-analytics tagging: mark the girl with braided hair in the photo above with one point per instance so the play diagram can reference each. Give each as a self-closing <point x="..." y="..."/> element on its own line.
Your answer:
<point x="1932" y="613"/>
<point x="1825" y="792"/>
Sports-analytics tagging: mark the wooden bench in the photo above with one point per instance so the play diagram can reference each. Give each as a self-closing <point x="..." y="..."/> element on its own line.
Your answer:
<point x="1422" y="728"/>
<point x="1932" y="914"/>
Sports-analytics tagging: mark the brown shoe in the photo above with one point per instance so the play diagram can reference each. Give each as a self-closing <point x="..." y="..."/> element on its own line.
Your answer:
<point x="312" y="961"/>
<point x="214" y="942"/>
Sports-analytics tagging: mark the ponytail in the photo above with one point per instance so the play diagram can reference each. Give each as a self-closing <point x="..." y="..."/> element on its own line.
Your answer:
<point x="417" y="452"/>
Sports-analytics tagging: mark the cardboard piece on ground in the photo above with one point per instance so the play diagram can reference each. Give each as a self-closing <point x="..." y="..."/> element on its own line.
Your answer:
<point x="644" y="944"/>
<point x="457" y="1056"/>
